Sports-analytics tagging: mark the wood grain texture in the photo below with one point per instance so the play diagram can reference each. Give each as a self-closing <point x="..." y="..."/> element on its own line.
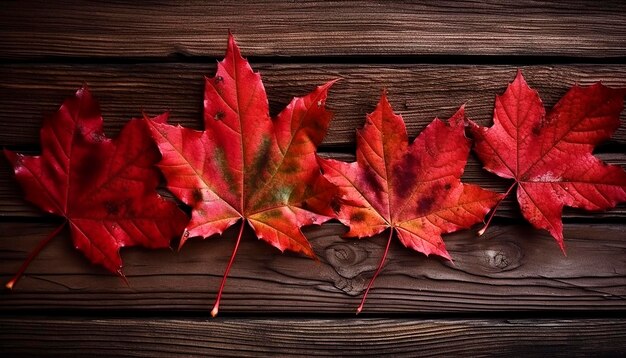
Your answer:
<point x="420" y="92"/>
<point x="511" y="268"/>
<point x="312" y="337"/>
<point x="40" y="28"/>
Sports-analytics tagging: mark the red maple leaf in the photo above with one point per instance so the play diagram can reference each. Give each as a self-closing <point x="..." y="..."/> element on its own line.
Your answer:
<point x="246" y="166"/>
<point x="414" y="190"/>
<point x="104" y="188"/>
<point x="550" y="156"/>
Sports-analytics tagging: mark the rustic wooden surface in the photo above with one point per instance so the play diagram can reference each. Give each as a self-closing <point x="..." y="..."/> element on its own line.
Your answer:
<point x="104" y="337"/>
<point x="509" y="292"/>
<point x="511" y="268"/>
<point x="313" y="28"/>
<point x="420" y="92"/>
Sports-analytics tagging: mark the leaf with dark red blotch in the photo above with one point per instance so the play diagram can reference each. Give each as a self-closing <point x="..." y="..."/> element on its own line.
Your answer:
<point x="247" y="167"/>
<point x="413" y="190"/>
<point x="106" y="189"/>
<point x="550" y="156"/>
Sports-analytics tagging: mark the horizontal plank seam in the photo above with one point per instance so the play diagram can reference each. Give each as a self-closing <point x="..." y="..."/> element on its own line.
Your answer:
<point x="161" y="314"/>
<point x="347" y="59"/>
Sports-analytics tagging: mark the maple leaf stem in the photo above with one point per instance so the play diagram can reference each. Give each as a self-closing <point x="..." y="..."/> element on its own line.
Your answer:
<point x="380" y="266"/>
<point x="493" y="212"/>
<point x="9" y="285"/>
<point x="230" y="263"/>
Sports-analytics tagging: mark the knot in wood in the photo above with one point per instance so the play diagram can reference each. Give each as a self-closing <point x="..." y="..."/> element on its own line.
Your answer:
<point x="346" y="259"/>
<point x="352" y="287"/>
<point x="502" y="257"/>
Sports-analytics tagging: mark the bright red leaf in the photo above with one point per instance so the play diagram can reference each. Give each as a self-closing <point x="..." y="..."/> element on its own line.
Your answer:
<point x="414" y="190"/>
<point x="550" y="156"/>
<point x="246" y="166"/>
<point x="104" y="188"/>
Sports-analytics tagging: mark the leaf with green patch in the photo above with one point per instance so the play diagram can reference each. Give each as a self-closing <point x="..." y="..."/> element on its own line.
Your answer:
<point x="246" y="166"/>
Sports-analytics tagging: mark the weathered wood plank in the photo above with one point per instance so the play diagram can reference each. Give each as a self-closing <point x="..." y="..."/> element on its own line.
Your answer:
<point x="312" y="337"/>
<point x="32" y="29"/>
<point x="511" y="268"/>
<point x="419" y="92"/>
<point x="13" y="205"/>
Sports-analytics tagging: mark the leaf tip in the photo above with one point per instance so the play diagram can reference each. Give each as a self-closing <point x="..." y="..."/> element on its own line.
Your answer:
<point x="458" y="118"/>
<point x="383" y="104"/>
<point x="83" y="92"/>
<point x="331" y="82"/>
<point x="183" y="239"/>
<point x="383" y="97"/>
<point x="446" y="255"/>
<point x="314" y="257"/>
<point x="215" y="310"/>
<point x="84" y="87"/>
<point x="519" y="79"/>
<point x="9" y="285"/>
<point x="123" y="277"/>
<point x="561" y="243"/>
<point x="232" y="46"/>
<point x="160" y="118"/>
<point x="307" y="251"/>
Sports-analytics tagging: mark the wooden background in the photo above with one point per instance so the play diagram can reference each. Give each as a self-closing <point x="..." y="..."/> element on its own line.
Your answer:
<point x="510" y="292"/>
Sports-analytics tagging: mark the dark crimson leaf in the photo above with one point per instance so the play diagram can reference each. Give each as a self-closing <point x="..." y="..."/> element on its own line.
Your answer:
<point x="550" y="156"/>
<point x="104" y="188"/>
